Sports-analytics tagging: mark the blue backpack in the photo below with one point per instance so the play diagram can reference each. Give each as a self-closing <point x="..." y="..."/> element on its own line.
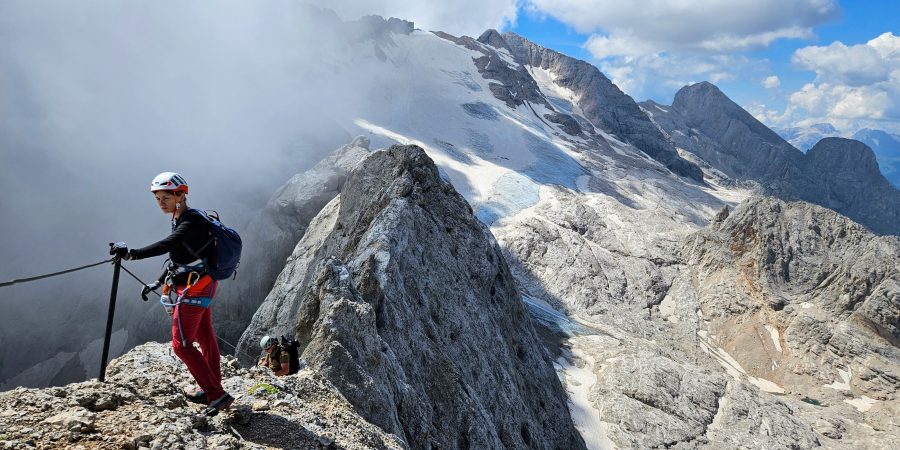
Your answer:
<point x="226" y="255"/>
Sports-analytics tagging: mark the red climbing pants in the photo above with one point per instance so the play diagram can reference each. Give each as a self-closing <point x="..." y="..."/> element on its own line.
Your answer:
<point x="196" y="326"/>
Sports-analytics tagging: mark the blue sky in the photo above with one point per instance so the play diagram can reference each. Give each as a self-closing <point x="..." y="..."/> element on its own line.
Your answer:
<point x="815" y="88"/>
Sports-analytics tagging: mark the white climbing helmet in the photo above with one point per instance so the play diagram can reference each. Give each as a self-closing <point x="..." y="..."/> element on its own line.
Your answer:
<point x="266" y="342"/>
<point x="169" y="181"/>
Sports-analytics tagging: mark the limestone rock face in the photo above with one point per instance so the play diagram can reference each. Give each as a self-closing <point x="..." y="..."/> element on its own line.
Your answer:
<point x="141" y="406"/>
<point x="401" y="297"/>
<point x="509" y="60"/>
<point x="756" y="151"/>
<point x="801" y="292"/>
<point x="681" y="404"/>
<point x="271" y="237"/>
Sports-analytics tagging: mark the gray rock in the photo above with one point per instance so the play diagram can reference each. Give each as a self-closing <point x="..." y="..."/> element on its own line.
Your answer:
<point x="800" y="294"/>
<point x="402" y="299"/>
<point x="514" y="85"/>
<point x="655" y="402"/>
<point x="270" y="238"/>
<point x="749" y="419"/>
<point x="852" y="184"/>
<point x="77" y="420"/>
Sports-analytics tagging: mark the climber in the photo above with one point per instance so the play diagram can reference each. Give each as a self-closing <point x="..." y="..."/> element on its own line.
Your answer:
<point x="277" y="357"/>
<point x="191" y="285"/>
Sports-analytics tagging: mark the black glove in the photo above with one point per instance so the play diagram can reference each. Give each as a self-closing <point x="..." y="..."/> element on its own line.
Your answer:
<point x="119" y="250"/>
<point x="149" y="288"/>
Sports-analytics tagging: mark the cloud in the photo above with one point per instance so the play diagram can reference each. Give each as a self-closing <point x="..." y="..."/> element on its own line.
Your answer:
<point x="715" y="26"/>
<point x="856" y="65"/>
<point x="771" y="82"/>
<point x="765" y="115"/>
<point x="668" y="43"/>
<point x="98" y="96"/>
<point x="660" y="75"/>
<point x="856" y="86"/>
<point x="841" y="102"/>
<point x="469" y="17"/>
<point x="625" y="44"/>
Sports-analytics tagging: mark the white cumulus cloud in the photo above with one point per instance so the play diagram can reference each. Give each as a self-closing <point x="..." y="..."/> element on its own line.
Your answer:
<point x="771" y="82"/>
<point x="665" y="43"/>
<point x="856" y="65"/>
<point x="856" y="85"/>
<point x="660" y="75"/>
<point x="635" y="28"/>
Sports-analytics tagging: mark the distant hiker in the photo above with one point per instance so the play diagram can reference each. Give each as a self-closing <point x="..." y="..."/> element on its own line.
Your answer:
<point x="277" y="357"/>
<point x="188" y="280"/>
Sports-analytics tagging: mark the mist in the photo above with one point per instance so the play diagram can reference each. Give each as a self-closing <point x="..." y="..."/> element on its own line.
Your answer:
<point x="99" y="96"/>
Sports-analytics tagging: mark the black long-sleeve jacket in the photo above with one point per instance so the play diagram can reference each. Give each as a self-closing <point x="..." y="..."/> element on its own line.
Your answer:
<point x="190" y="233"/>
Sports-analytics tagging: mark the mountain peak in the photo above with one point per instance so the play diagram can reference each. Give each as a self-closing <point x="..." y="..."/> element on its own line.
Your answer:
<point x="703" y="86"/>
<point x="704" y="105"/>
<point x="847" y="156"/>
<point x="397" y="276"/>
<point x="493" y="38"/>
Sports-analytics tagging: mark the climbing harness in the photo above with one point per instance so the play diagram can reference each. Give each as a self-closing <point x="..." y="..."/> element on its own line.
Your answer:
<point x="223" y="341"/>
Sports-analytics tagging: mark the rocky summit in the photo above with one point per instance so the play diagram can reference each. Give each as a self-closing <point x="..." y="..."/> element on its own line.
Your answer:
<point x="271" y="236"/>
<point x="401" y="298"/>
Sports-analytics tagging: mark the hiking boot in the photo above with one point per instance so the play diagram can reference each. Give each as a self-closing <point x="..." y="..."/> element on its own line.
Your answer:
<point x="223" y="402"/>
<point x="198" y="397"/>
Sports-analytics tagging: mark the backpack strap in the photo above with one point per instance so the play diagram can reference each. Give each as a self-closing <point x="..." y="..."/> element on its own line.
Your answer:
<point x="196" y="254"/>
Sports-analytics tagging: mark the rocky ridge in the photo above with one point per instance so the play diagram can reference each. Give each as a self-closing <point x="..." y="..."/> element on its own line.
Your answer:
<point x="401" y="297"/>
<point x="798" y="292"/>
<point x="602" y="102"/>
<point x="272" y="235"/>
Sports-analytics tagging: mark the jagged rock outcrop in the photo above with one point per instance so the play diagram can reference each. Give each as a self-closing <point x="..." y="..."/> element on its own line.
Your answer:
<point x="796" y="291"/>
<point x="140" y="406"/>
<point x="651" y="401"/>
<point x="807" y="303"/>
<point x="514" y="85"/>
<point x="272" y="236"/>
<point x="837" y="173"/>
<point x="751" y="149"/>
<point x="401" y="297"/>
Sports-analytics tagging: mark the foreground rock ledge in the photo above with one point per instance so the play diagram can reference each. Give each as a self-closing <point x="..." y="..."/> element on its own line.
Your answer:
<point x="140" y="406"/>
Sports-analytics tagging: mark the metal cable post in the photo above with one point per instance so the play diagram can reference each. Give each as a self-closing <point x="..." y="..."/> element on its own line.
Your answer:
<point x="109" y="317"/>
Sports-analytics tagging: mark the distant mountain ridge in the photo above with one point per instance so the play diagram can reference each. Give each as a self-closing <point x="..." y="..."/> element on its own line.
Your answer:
<point x="838" y="173"/>
<point x="885" y="145"/>
<point x="805" y="137"/>
<point x="887" y="150"/>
